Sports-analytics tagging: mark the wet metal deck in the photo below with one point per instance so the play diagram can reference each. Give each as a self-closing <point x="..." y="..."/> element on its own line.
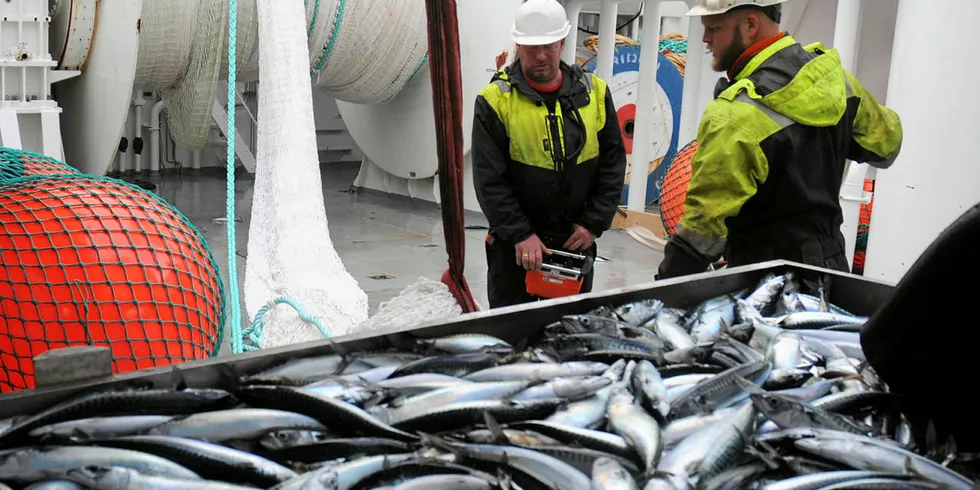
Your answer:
<point x="380" y="235"/>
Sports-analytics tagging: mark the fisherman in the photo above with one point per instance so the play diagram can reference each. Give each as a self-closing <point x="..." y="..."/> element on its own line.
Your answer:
<point x="766" y="177"/>
<point x="548" y="156"/>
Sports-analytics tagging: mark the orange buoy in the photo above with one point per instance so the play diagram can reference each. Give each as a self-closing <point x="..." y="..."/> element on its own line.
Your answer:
<point x="88" y="260"/>
<point x="674" y="188"/>
<point x="22" y="163"/>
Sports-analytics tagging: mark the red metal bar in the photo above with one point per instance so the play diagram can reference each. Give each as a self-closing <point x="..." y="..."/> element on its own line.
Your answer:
<point x="447" y="102"/>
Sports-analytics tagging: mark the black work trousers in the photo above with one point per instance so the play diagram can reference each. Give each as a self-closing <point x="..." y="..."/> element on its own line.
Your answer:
<point x="828" y="254"/>
<point x="506" y="284"/>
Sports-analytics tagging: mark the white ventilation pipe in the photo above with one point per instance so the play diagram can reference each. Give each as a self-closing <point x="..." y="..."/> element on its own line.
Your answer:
<point x="608" y="16"/>
<point x="693" y="73"/>
<point x="646" y="99"/>
<point x="138" y="132"/>
<point x="155" y="135"/>
<point x="573" y="9"/>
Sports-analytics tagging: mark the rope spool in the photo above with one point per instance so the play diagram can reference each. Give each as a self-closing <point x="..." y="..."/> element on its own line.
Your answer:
<point x="361" y="51"/>
<point x="673" y="45"/>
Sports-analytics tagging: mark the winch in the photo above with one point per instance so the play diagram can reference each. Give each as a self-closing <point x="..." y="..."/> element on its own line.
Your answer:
<point x="561" y="274"/>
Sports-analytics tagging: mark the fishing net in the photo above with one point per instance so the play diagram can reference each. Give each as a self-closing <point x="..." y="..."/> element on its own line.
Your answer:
<point x="673" y="189"/>
<point x="88" y="260"/>
<point x="419" y="303"/>
<point x="22" y="163"/>
<point x="864" y="228"/>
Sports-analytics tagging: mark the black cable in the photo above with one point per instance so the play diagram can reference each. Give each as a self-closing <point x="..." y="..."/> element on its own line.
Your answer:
<point x="637" y="14"/>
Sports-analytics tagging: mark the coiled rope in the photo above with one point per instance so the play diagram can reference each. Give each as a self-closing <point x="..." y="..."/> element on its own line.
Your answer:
<point x="673" y="46"/>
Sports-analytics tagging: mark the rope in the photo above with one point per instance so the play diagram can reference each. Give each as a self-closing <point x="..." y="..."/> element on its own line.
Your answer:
<point x="673" y="46"/>
<point x="236" y="312"/>
<point x="255" y="333"/>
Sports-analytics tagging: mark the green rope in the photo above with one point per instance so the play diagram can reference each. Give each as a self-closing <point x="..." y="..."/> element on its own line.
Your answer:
<point x="679" y="47"/>
<point x="255" y="333"/>
<point x="333" y="37"/>
<point x="236" y="312"/>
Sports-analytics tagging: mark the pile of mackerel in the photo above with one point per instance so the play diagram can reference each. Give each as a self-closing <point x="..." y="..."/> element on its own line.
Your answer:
<point x="765" y="388"/>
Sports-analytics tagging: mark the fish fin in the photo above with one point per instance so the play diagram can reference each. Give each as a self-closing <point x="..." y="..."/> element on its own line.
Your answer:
<point x="178" y="383"/>
<point x="495" y="429"/>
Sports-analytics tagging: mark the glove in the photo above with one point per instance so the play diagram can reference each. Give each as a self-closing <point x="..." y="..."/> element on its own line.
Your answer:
<point x="680" y="259"/>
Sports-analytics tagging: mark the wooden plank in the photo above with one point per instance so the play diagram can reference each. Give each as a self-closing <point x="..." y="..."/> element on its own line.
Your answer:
<point x="626" y="218"/>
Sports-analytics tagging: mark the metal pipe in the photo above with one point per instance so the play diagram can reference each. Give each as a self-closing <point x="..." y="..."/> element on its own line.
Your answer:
<point x="645" y="99"/>
<point x="138" y="131"/>
<point x="846" y="38"/>
<point x="607" y="38"/>
<point x="155" y="135"/>
<point x="691" y="100"/>
<point x="573" y="9"/>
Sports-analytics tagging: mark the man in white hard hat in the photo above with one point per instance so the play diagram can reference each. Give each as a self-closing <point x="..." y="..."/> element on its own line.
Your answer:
<point x="773" y="145"/>
<point x="548" y="157"/>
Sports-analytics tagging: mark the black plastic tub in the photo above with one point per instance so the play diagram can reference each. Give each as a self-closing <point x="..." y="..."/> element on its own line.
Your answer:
<point x="859" y="295"/>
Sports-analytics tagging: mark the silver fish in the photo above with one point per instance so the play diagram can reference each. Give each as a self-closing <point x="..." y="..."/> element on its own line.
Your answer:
<point x="607" y="474"/>
<point x="537" y="371"/>
<point x="34" y="464"/>
<point x="116" y="478"/>
<point x="100" y="427"/>
<point x="636" y="426"/>
<point x="445" y="482"/>
<point x="861" y="452"/>
<point x="650" y="388"/>
<point x="571" y="388"/>
<point x="667" y="325"/>
<point x="464" y="342"/>
<point x="639" y="312"/>
<point x="236" y="424"/>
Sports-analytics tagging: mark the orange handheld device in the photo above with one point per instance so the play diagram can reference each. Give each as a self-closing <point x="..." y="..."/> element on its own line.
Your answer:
<point x="562" y="274"/>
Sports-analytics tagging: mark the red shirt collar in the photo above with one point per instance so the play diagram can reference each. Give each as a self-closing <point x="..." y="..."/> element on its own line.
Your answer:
<point x="547" y="88"/>
<point x="753" y="50"/>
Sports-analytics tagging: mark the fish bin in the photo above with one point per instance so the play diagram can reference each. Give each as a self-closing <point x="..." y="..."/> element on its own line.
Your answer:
<point x="751" y="377"/>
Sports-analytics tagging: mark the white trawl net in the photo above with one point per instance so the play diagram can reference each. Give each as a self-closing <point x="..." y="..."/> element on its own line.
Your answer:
<point x="289" y="248"/>
<point x="360" y="51"/>
<point x="422" y="302"/>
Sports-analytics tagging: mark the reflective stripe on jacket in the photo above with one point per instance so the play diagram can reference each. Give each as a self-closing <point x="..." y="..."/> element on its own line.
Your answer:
<point x="541" y="172"/>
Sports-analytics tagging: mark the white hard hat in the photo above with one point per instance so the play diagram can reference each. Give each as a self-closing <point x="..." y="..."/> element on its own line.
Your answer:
<point x="715" y="7"/>
<point x="540" y="22"/>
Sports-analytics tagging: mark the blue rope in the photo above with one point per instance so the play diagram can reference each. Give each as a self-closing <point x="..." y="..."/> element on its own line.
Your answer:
<point x="237" y="340"/>
<point x="256" y="332"/>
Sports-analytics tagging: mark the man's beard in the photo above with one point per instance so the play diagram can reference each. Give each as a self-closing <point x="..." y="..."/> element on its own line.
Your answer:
<point x="540" y="79"/>
<point x="728" y="59"/>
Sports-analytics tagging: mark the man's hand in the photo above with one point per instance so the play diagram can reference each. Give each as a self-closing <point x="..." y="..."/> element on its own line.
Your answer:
<point x="501" y="59"/>
<point x="582" y="239"/>
<point x="530" y="253"/>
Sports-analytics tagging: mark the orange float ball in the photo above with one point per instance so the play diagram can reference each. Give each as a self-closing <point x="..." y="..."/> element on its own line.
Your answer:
<point x="674" y="188"/>
<point x="88" y="260"/>
<point x="22" y="163"/>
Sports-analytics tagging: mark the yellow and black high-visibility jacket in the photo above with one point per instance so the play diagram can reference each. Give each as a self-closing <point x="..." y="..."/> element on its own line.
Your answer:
<point x="774" y="142"/>
<point x="541" y="167"/>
